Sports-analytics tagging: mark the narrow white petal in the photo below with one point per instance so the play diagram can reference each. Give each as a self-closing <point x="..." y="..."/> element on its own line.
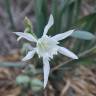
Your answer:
<point x="27" y="36"/>
<point x="63" y="35"/>
<point x="48" y="26"/>
<point x="29" y="55"/>
<point x="46" y="69"/>
<point x="66" y="52"/>
<point x="19" y="38"/>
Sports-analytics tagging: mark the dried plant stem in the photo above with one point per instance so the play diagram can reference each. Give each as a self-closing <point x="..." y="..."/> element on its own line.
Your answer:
<point x="66" y="87"/>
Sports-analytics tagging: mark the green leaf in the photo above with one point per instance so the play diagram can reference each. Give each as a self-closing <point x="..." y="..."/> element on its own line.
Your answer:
<point x="87" y="23"/>
<point x="36" y="85"/>
<point x="70" y="13"/>
<point x="8" y="10"/>
<point x="22" y="79"/>
<point x="12" y="64"/>
<point x="76" y="11"/>
<point x="55" y="15"/>
<point x="41" y="16"/>
<point x="83" y="35"/>
<point x="30" y="70"/>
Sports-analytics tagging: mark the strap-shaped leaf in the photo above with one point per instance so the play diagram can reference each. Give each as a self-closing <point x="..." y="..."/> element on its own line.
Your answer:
<point x="83" y="35"/>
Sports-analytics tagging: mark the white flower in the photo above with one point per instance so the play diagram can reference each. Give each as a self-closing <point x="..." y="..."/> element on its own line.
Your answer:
<point x="47" y="46"/>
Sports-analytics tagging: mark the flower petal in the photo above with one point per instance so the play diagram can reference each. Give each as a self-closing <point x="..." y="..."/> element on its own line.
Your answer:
<point x="66" y="52"/>
<point x="48" y="26"/>
<point x="27" y="36"/>
<point x="46" y="69"/>
<point x="29" y="55"/>
<point x="18" y="39"/>
<point x="63" y="35"/>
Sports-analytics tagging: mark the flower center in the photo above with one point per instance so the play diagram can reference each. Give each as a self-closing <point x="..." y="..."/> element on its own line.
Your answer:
<point x="43" y="44"/>
<point x="46" y="45"/>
